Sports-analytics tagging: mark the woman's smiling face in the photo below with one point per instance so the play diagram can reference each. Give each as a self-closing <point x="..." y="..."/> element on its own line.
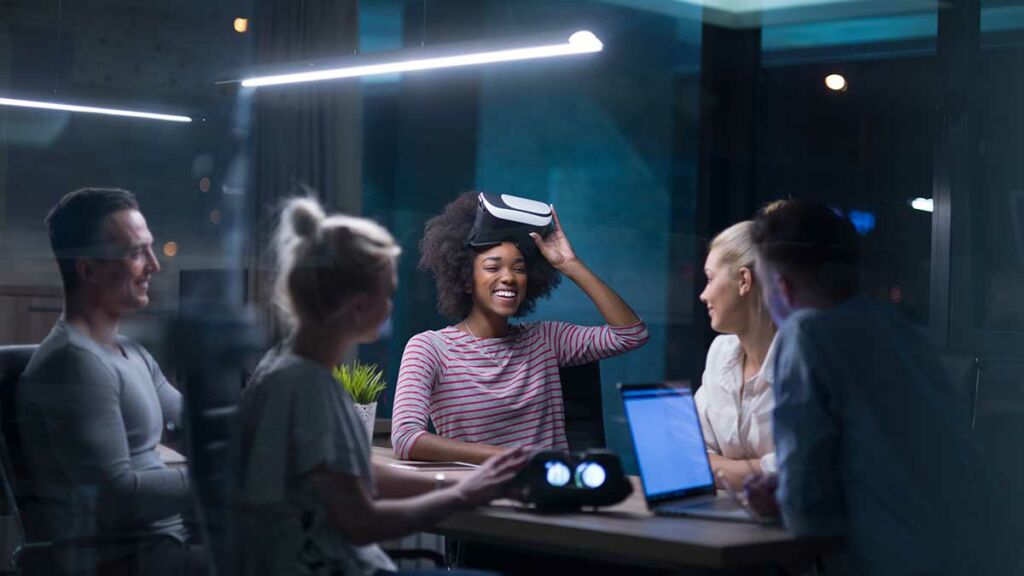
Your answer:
<point x="499" y="280"/>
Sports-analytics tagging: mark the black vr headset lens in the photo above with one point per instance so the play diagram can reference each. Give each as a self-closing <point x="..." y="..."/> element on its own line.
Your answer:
<point x="587" y="475"/>
<point x="504" y="218"/>
<point x="557" y="473"/>
<point x="590" y="475"/>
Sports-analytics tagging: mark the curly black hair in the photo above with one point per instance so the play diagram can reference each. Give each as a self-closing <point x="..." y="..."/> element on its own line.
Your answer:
<point x="446" y="255"/>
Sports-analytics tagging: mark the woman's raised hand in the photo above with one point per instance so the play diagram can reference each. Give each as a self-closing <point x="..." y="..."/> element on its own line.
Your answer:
<point x="555" y="246"/>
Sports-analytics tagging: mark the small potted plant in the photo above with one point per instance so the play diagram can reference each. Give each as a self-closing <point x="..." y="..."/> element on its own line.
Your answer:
<point x="364" y="382"/>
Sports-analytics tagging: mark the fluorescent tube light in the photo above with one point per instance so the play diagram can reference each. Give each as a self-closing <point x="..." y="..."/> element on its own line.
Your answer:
<point x="582" y="42"/>
<point x="923" y="204"/>
<point x="90" y="110"/>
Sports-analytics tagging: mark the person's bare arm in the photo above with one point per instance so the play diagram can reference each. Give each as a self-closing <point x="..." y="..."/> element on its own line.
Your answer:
<point x="362" y="520"/>
<point x="396" y="483"/>
<point x="436" y="448"/>
<point x="734" y="472"/>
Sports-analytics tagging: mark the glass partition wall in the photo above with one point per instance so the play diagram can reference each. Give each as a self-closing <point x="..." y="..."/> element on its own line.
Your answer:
<point x="691" y="116"/>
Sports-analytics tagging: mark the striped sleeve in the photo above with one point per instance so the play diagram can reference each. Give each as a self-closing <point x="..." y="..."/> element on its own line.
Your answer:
<point x="420" y="369"/>
<point x="576" y="344"/>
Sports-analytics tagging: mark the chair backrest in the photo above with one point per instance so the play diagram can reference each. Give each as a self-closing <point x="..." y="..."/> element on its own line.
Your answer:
<point x="13" y="360"/>
<point x="584" y="409"/>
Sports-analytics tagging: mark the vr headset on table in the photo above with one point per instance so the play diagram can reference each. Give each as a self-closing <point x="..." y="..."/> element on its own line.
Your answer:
<point x="556" y="480"/>
<point x="505" y="218"/>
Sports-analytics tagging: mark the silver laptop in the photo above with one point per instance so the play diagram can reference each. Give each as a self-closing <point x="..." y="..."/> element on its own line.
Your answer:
<point x="670" y="453"/>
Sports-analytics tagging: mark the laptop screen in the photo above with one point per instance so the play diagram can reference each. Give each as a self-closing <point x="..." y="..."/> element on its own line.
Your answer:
<point x="669" y="445"/>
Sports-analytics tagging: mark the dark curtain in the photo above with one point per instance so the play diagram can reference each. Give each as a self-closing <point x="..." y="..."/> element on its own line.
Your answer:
<point x="305" y="137"/>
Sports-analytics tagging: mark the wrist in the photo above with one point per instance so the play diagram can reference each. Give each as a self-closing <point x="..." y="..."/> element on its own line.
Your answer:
<point x="459" y="499"/>
<point x="571" y="267"/>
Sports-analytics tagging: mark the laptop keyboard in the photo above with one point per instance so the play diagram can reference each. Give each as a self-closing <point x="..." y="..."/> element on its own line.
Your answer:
<point x="683" y="508"/>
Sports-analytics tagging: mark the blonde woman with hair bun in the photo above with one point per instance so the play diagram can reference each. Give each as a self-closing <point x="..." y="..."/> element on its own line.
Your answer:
<point x="735" y="400"/>
<point x="311" y="501"/>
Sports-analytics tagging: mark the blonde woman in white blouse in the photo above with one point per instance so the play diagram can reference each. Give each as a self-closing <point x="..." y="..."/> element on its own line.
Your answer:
<point x="735" y="399"/>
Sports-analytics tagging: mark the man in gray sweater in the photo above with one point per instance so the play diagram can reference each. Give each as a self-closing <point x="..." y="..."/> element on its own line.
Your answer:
<point x="92" y="405"/>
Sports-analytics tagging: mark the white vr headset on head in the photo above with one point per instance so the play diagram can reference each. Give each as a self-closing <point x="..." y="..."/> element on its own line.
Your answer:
<point x="505" y="218"/>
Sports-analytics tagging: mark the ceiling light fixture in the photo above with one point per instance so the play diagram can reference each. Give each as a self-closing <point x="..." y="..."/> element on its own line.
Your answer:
<point x="42" y="105"/>
<point x="836" y="82"/>
<point x="923" y="204"/>
<point x="582" y="42"/>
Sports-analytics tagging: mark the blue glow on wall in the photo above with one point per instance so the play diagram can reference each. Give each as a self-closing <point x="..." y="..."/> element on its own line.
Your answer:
<point x="596" y="140"/>
<point x="380" y="30"/>
<point x="877" y="30"/>
<point x="864" y="222"/>
<point x="847" y="32"/>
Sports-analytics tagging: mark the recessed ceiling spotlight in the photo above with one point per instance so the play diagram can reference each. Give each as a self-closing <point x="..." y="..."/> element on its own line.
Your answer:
<point x="836" y="82"/>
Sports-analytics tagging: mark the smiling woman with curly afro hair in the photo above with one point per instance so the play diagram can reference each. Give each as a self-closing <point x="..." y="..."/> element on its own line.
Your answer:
<point x="447" y="256"/>
<point x="485" y="383"/>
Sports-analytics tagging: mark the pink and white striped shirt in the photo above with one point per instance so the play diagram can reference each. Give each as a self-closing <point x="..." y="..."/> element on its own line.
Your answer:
<point x="500" y="391"/>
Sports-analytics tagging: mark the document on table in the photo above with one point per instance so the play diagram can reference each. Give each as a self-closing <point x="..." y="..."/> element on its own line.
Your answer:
<point x="432" y="466"/>
<point x="170" y="456"/>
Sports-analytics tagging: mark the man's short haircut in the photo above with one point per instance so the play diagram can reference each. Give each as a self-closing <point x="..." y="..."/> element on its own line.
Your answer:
<point x="76" y="224"/>
<point x="810" y="243"/>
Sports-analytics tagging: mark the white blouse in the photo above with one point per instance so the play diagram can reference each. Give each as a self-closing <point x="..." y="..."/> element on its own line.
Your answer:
<point x="737" y="416"/>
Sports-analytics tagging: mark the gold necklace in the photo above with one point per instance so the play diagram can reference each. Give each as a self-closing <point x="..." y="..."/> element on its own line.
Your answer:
<point x="476" y="342"/>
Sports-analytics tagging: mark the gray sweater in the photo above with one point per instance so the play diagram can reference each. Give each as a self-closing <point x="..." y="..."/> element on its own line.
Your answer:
<point x="90" y="420"/>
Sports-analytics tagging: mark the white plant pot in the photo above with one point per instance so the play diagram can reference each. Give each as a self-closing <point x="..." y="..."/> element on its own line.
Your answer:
<point x="367" y="414"/>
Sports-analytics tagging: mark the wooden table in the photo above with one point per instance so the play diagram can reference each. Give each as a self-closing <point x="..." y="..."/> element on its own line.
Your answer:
<point x="628" y="534"/>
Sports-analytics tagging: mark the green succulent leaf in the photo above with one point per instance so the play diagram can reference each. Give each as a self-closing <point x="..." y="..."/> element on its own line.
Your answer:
<point x="364" y="382"/>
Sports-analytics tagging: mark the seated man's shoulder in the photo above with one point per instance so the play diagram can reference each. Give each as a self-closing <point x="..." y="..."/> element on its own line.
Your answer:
<point x="857" y="316"/>
<point x="815" y="333"/>
<point x="64" y="361"/>
<point x="800" y="323"/>
<point x="811" y="321"/>
<point x="64" y="376"/>
<point x="129" y="344"/>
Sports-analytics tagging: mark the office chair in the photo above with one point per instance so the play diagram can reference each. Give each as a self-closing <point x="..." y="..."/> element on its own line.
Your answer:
<point x="32" y="553"/>
<point x="584" y="410"/>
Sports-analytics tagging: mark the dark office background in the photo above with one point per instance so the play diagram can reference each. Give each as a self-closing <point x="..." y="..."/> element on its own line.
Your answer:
<point x="686" y="123"/>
